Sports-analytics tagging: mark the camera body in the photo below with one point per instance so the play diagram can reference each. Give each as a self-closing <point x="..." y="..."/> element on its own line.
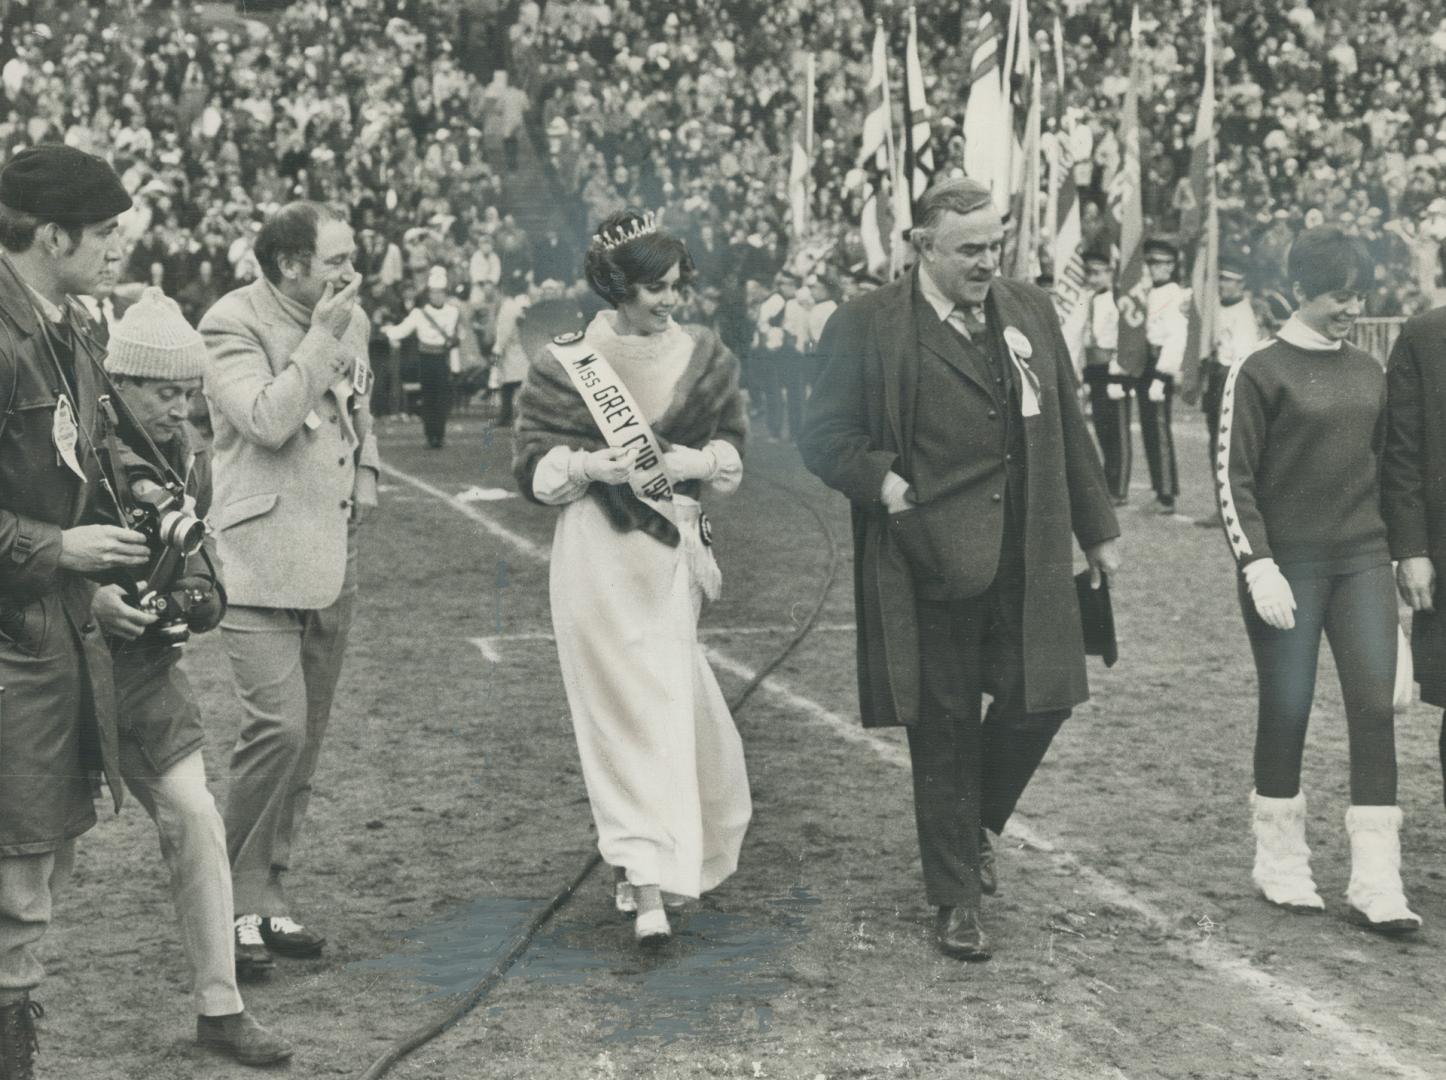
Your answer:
<point x="158" y="512"/>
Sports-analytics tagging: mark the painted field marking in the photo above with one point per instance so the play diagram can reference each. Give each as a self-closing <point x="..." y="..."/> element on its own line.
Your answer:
<point x="467" y="510"/>
<point x="1212" y="955"/>
<point x="487" y="646"/>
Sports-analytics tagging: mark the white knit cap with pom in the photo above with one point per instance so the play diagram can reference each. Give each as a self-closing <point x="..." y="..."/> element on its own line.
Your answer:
<point x="153" y="340"/>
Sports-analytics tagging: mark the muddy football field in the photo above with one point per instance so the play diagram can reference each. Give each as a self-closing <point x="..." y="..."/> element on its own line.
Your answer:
<point x="449" y="808"/>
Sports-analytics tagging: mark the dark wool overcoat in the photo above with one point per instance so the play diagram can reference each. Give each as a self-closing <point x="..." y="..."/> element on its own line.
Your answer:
<point x="57" y="710"/>
<point x="860" y="425"/>
<point x="1413" y="477"/>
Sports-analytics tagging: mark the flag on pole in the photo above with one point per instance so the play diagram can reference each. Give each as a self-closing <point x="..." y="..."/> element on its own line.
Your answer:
<point x="799" y="166"/>
<point x="918" y="152"/>
<point x="1132" y="287"/>
<point x="986" y="131"/>
<point x="876" y="153"/>
<point x="1018" y="61"/>
<point x="1026" y="235"/>
<point x="1203" y="224"/>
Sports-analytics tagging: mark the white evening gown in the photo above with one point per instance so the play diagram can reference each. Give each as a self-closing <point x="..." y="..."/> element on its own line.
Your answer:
<point x="661" y="757"/>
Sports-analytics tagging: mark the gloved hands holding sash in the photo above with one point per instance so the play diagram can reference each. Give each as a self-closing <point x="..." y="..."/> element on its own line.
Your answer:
<point x="608" y="466"/>
<point x="685" y="463"/>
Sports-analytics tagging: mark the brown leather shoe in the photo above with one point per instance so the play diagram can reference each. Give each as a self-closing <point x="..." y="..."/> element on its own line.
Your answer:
<point x="18" y="1042"/>
<point x="988" y="872"/>
<point x="959" y="934"/>
<point x="243" y="1037"/>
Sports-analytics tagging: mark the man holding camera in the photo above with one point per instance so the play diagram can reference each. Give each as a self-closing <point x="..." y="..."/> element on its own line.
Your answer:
<point x="295" y="471"/>
<point x="156" y="360"/>
<point x="59" y="230"/>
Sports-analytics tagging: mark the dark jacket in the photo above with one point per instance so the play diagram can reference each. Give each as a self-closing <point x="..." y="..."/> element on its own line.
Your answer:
<point x="154" y="703"/>
<point x="1413" y="476"/>
<point x="57" y="712"/>
<point x="860" y="425"/>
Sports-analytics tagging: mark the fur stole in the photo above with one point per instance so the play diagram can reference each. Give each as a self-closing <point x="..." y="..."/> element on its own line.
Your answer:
<point x="706" y="405"/>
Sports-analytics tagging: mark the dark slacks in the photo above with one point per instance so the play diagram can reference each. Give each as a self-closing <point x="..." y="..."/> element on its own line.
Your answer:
<point x="1159" y="437"/>
<point x="1213" y="376"/>
<point x="435" y="373"/>
<point x="781" y="373"/>
<point x="1112" y="428"/>
<point x="970" y="768"/>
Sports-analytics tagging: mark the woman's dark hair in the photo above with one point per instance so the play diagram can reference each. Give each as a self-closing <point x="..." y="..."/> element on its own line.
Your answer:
<point x="615" y="273"/>
<point x="291" y="232"/>
<point x="1325" y="259"/>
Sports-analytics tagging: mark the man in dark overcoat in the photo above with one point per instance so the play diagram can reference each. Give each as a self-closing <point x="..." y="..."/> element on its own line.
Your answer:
<point x="60" y="238"/>
<point x="947" y="412"/>
<point x="1413" y="491"/>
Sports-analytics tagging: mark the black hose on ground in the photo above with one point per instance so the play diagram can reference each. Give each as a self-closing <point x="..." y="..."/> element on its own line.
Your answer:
<point x="523" y="941"/>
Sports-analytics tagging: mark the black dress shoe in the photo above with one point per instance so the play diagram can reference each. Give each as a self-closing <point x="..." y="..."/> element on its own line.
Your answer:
<point x="253" y="958"/>
<point x="960" y="935"/>
<point x="988" y="874"/>
<point x="287" y="938"/>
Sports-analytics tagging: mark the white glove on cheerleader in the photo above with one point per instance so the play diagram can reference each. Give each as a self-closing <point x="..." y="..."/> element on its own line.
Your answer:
<point x="1271" y="593"/>
<point x="685" y="463"/>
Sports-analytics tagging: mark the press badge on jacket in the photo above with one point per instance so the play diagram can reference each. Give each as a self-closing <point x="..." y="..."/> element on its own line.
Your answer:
<point x="65" y="433"/>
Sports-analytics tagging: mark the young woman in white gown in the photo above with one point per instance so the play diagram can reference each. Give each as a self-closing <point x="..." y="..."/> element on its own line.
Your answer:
<point x="661" y="758"/>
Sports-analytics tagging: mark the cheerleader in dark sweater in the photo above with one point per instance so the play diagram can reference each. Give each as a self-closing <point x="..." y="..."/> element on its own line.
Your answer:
<point x="1301" y="430"/>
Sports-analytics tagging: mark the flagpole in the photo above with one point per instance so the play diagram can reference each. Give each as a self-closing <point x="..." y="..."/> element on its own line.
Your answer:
<point x="809" y="92"/>
<point x="909" y="151"/>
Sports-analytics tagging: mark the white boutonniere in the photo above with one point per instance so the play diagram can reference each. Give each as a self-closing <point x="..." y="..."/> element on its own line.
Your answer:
<point x="1020" y="350"/>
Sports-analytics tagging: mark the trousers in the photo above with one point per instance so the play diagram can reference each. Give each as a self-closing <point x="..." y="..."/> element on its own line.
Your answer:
<point x="436" y="377"/>
<point x="1357" y="613"/>
<point x="1111" y="415"/>
<point x="28" y="884"/>
<point x="1158" y="436"/>
<point x="193" y="844"/>
<point x="285" y="664"/>
<point x="971" y="768"/>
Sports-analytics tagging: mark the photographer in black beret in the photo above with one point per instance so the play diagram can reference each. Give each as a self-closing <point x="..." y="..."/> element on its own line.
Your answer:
<point x="60" y="237"/>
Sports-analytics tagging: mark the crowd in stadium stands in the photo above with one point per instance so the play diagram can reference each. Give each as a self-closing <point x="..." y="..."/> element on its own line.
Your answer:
<point x="425" y="117"/>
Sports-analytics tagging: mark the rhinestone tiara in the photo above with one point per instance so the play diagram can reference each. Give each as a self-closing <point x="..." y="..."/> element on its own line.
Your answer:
<point x="650" y="222"/>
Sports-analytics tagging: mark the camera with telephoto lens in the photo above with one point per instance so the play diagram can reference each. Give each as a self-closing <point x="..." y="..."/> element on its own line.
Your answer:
<point x="158" y="512"/>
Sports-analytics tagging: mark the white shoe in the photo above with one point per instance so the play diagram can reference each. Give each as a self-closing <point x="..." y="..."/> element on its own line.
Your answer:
<point x="1375" y="894"/>
<point x="1282" y="857"/>
<point x="652" y="928"/>
<point x="625" y="898"/>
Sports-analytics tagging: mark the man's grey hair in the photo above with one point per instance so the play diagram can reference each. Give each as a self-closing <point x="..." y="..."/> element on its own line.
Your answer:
<point x="959" y="195"/>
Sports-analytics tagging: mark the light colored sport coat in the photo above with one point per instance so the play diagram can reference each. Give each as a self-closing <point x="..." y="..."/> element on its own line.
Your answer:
<point x="290" y="434"/>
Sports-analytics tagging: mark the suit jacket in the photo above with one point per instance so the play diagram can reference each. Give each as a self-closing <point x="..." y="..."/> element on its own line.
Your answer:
<point x="1413" y="474"/>
<point x="286" y="446"/>
<point x="859" y="426"/>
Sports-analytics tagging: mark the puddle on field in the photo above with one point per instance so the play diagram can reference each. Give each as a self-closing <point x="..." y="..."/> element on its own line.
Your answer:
<point x="717" y="964"/>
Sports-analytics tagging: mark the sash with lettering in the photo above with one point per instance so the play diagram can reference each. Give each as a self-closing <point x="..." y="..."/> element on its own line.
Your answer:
<point x="622" y="424"/>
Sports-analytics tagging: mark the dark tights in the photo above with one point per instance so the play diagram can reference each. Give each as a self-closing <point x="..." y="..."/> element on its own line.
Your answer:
<point x="1357" y="612"/>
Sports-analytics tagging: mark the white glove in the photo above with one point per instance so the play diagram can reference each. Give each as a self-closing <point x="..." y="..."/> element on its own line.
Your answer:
<point x="685" y="463"/>
<point x="1157" y="393"/>
<point x="608" y="466"/>
<point x="895" y="494"/>
<point x="1273" y="598"/>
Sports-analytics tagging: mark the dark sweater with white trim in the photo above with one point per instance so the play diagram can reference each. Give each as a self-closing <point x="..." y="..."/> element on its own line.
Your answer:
<point x="1297" y="462"/>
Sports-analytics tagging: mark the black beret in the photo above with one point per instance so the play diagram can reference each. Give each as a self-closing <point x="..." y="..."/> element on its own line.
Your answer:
<point x="1234" y="263"/>
<point x="1098" y="256"/>
<point x="62" y="184"/>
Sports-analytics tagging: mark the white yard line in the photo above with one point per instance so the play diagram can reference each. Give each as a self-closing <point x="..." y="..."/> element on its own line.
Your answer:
<point x="487" y="646"/>
<point x="1218" y="957"/>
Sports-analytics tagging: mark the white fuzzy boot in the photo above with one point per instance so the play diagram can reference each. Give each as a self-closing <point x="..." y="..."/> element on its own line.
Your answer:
<point x="1282" y="858"/>
<point x="1376" y="897"/>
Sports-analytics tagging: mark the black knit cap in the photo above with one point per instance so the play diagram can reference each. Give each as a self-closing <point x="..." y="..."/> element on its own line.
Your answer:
<point x="62" y="184"/>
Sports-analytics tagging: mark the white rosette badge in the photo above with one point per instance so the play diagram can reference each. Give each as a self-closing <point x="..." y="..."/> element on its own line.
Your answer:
<point x="1020" y="350"/>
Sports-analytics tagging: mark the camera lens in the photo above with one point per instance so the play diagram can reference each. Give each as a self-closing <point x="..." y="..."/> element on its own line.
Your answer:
<point x="181" y="531"/>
